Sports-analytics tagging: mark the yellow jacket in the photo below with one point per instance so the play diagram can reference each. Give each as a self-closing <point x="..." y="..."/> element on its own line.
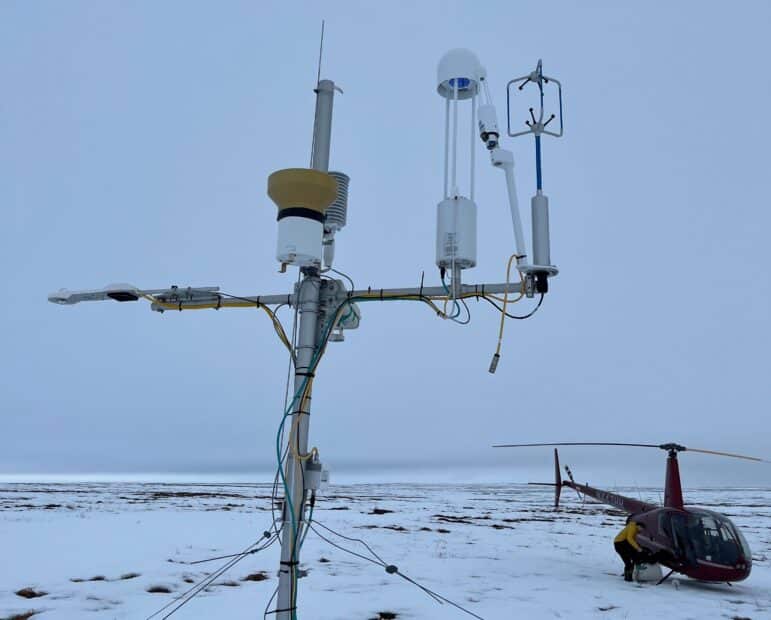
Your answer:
<point x="628" y="534"/>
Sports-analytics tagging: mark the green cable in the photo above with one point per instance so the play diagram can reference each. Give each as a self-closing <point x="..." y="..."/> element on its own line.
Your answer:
<point x="311" y="368"/>
<point x="456" y="307"/>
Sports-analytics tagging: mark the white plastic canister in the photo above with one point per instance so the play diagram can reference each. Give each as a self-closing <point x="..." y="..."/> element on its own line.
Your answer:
<point x="456" y="233"/>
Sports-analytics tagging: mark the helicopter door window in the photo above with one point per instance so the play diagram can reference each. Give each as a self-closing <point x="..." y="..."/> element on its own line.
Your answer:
<point x="713" y="540"/>
<point x="682" y="539"/>
<point x="710" y="538"/>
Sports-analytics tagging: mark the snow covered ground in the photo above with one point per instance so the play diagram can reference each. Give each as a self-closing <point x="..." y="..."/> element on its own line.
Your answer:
<point x="99" y="549"/>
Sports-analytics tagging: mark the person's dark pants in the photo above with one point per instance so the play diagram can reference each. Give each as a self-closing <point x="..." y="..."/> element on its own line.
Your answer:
<point x="629" y="555"/>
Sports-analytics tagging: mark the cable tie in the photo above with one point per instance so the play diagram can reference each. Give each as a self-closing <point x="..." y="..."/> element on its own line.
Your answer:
<point x="180" y="305"/>
<point x="275" y="611"/>
<point x="305" y="374"/>
<point x="258" y="300"/>
<point x="290" y="563"/>
<point x="391" y="569"/>
<point x="219" y="301"/>
<point x="422" y="277"/>
<point x="381" y="294"/>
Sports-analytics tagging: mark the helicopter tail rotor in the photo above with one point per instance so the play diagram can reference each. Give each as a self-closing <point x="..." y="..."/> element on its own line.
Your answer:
<point x="557" y="480"/>
<point x="557" y="484"/>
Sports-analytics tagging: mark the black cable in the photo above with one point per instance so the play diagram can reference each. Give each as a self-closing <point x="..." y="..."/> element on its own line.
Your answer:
<point x="270" y="600"/>
<point x="514" y="316"/>
<point x="354" y="553"/>
<point x="274" y="501"/>
<point x="438" y="597"/>
<point x="197" y="589"/>
<point x="358" y="540"/>
<point x="433" y="595"/>
<point x="193" y="591"/>
<point x="269" y="536"/>
<point x="389" y="568"/>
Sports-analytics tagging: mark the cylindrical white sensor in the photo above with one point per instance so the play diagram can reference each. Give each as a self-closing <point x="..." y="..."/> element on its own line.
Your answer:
<point x="299" y="241"/>
<point x="539" y="210"/>
<point x="456" y="233"/>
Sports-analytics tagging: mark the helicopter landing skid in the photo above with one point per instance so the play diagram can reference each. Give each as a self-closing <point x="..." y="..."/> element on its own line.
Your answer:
<point x="664" y="578"/>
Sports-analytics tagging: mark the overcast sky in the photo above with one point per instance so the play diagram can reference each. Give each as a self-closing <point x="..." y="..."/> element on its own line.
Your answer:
<point x="135" y="143"/>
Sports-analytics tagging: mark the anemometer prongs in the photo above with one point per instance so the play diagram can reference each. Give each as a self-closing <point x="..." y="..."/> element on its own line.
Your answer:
<point x="535" y="125"/>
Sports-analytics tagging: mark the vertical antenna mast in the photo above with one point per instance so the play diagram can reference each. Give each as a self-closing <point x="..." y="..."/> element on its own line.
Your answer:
<point x="321" y="51"/>
<point x="316" y="90"/>
<point x="296" y="494"/>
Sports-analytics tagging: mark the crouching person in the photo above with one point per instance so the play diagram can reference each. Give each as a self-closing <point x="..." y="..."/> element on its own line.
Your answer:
<point x="628" y="548"/>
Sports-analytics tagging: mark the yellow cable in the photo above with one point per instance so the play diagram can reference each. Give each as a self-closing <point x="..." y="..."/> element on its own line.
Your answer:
<point x="295" y="426"/>
<point x="296" y="422"/>
<point x="228" y="303"/>
<point x="497" y="354"/>
<point x="424" y="298"/>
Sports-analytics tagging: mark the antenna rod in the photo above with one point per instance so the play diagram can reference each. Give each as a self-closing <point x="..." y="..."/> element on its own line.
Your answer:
<point x="321" y="52"/>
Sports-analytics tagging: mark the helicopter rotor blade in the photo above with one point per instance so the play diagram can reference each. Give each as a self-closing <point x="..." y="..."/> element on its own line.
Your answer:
<point x="731" y="454"/>
<point x="577" y="443"/>
<point x="666" y="446"/>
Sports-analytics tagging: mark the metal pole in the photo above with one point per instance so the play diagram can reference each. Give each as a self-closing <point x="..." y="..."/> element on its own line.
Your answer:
<point x="432" y="292"/>
<point x="307" y="342"/>
<point x="446" y="147"/>
<point x="322" y="126"/>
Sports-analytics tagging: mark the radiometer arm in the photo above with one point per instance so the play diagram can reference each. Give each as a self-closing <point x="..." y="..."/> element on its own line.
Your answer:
<point x="172" y="298"/>
<point x="503" y="159"/>
<point x="117" y="292"/>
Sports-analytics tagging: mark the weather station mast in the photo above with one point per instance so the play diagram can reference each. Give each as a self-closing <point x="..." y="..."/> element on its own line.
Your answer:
<point x="312" y="207"/>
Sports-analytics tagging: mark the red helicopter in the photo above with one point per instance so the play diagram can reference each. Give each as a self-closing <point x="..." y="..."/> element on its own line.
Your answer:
<point x="696" y="542"/>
